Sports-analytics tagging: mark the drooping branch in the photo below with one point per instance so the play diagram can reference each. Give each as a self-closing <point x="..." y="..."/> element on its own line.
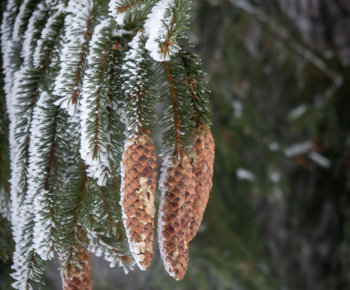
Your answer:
<point x="197" y="87"/>
<point x="179" y="116"/>
<point x="74" y="52"/>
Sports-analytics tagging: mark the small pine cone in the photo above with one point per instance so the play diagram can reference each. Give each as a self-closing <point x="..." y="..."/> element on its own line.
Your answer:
<point x="203" y="150"/>
<point x="82" y="277"/>
<point x="138" y="195"/>
<point x="175" y="211"/>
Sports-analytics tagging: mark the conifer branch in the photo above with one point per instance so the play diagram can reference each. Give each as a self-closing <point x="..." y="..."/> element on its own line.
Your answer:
<point x="73" y="221"/>
<point x="179" y="116"/>
<point x="27" y="91"/>
<point x="116" y="98"/>
<point x="74" y="52"/>
<point x="33" y="34"/>
<point x="95" y="139"/>
<point x="138" y="87"/>
<point x="49" y="35"/>
<point x="42" y="162"/>
<point x="14" y="22"/>
<point x="164" y="28"/>
<point x="175" y="105"/>
<point x="72" y="76"/>
<point x="119" y="9"/>
<point x="106" y="236"/>
<point x="197" y="87"/>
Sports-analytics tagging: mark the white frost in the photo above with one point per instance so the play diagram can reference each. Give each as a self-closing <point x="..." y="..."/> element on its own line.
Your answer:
<point x="37" y="171"/>
<point x="74" y="45"/>
<point x="48" y="33"/>
<point x="133" y="77"/>
<point x="156" y="29"/>
<point x="119" y="17"/>
<point x="93" y="103"/>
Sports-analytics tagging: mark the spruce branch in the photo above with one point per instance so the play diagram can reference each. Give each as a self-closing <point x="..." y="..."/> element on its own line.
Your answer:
<point x="35" y="26"/>
<point x="74" y="52"/>
<point x="49" y="35"/>
<point x="73" y="218"/>
<point x="14" y="22"/>
<point x="42" y="163"/>
<point x="116" y="100"/>
<point x="164" y="28"/>
<point x="178" y="117"/>
<point x="106" y="236"/>
<point x="139" y="88"/>
<point x="77" y="75"/>
<point x="28" y="89"/>
<point x="197" y="86"/>
<point x="95" y="139"/>
<point x="120" y="9"/>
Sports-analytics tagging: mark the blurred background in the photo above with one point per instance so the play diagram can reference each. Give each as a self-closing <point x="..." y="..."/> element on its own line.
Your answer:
<point x="278" y="215"/>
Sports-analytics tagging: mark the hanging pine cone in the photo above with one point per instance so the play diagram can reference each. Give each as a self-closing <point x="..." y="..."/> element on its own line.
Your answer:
<point x="203" y="164"/>
<point x="175" y="211"/>
<point x="137" y="199"/>
<point x="82" y="277"/>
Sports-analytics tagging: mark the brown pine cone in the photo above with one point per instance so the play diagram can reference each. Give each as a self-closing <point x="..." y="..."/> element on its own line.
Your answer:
<point x="137" y="197"/>
<point x="175" y="211"/>
<point x="82" y="277"/>
<point x="203" y="164"/>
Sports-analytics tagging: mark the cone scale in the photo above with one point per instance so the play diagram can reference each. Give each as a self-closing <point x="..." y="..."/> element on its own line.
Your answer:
<point x="203" y="163"/>
<point x="139" y="178"/>
<point x="82" y="277"/>
<point x="175" y="211"/>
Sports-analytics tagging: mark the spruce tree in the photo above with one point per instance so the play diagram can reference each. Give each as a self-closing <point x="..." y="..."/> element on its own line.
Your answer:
<point x="82" y="81"/>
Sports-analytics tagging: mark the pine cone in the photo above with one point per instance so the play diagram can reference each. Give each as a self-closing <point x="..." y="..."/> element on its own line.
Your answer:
<point x="203" y="148"/>
<point x="138" y="194"/>
<point x="175" y="211"/>
<point x="82" y="277"/>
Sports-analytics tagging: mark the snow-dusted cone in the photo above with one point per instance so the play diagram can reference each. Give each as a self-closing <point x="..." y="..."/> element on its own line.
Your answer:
<point x="82" y="278"/>
<point x="138" y="194"/>
<point x="177" y="186"/>
<point x="203" y="164"/>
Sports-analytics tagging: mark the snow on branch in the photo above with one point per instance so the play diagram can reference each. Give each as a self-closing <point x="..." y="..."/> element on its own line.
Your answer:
<point x="138" y="87"/>
<point x="164" y="27"/>
<point x="74" y="51"/>
<point x="14" y="24"/>
<point x="119" y="9"/>
<point x="33" y="33"/>
<point x="41" y="164"/>
<point x="95" y="134"/>
<point x="106" y="236"/>
<point x="49" y="34"/>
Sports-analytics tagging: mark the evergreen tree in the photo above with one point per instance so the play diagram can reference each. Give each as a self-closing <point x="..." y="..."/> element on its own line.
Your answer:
<point x="83" y="78"/>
